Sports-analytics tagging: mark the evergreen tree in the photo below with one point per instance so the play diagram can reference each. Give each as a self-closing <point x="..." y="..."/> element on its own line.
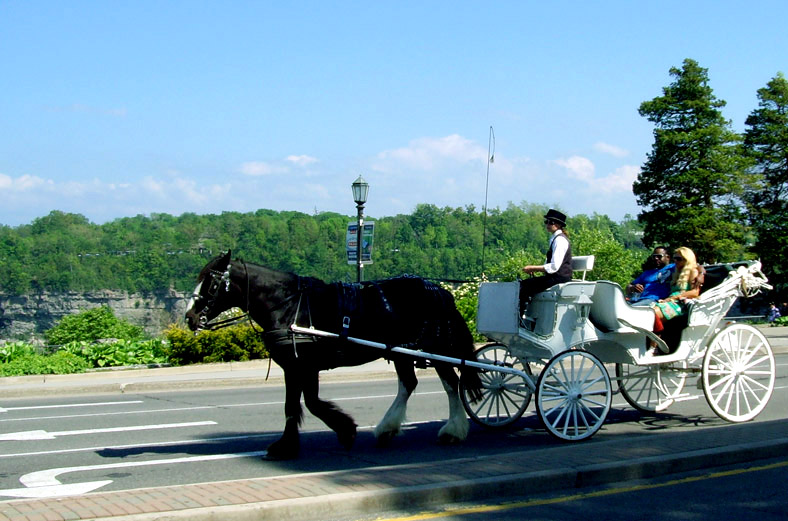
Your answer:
<point x="691" y="183"/>
<point x="766" y="142"/>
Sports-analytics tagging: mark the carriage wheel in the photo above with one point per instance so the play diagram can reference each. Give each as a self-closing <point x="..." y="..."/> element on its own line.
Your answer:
<point x="504" y="396"/>
<point x="738" y="373"/>
<point x="651" y="388"/>
<point x="573" y="395"/>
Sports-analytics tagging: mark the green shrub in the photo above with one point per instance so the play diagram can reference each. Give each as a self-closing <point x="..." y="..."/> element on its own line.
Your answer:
<point x="120" y="352"/>
<point x="59" y="363"/>
<point x="14" y="350"/>
<point x="92" y="325"/>
<point x="234" y="343"/>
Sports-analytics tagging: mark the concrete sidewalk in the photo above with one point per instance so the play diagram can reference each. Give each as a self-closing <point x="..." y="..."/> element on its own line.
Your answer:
<point x="127" y="380"/>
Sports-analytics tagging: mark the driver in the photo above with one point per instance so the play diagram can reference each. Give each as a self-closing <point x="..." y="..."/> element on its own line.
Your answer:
<point x="558" y="265"/>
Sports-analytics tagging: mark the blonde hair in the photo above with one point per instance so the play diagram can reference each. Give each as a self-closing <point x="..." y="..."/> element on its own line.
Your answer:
<point x="690" y="264"/>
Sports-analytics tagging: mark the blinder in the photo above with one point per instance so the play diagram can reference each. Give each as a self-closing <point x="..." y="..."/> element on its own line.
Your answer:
<point x="217" y="281"/>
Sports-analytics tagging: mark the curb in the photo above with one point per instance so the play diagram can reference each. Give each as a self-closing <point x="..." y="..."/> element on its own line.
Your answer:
<point x="526" y="484"/>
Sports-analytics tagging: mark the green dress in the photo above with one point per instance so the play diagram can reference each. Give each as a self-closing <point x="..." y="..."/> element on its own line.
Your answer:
<point x="674" y="308"/>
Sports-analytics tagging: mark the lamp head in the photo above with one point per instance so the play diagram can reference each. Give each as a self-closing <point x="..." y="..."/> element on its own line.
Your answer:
<point x="360" y="190"/>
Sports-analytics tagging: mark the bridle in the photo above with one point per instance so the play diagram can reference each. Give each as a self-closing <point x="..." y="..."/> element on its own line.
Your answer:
<point x="219" y="281"/>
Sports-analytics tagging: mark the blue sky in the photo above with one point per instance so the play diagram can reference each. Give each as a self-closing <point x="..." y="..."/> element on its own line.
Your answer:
<point x="112" y="109"/>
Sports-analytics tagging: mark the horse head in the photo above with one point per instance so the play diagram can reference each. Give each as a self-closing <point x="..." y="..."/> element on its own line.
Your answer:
<point x="212" y="295"/>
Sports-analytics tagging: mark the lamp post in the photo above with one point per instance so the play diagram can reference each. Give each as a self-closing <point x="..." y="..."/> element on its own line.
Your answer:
<point x="360" y="191"/>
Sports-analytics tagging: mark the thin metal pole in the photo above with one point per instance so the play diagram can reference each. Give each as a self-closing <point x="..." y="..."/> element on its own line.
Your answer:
<point x="490" y="141"/>
<point x="359" y="264"/>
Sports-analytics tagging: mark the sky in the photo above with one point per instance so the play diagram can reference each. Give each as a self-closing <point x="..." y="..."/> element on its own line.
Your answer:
<point x="114" y="109"/>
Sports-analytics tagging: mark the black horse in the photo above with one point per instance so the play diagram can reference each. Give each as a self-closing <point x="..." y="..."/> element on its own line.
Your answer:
<point x="405" y="311"/>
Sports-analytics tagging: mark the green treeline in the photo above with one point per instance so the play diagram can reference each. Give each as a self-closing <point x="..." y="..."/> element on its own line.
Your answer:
<point x="66" y="252"/>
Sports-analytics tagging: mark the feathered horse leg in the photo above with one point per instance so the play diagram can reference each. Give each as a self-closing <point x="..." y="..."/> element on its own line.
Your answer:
<point x="391" y="423"/>
<point x="456" y="429"/>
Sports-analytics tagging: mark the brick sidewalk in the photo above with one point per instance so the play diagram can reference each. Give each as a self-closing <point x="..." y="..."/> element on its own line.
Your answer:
<point x="378" y="489"/>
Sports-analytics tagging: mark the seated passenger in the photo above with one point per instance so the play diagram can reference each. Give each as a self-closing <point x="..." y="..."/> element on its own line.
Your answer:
<point x="685" y="285"/>
<point x="654" y="283"/>
<point x="558" y="266"/>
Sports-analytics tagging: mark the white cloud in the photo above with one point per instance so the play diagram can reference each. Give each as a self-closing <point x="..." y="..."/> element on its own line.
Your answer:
<point x="579" y="167"/>
<point x="620" y="180"/>
<point x="302" y="160"/>
<point x="154" y="186"/>
<point x="430" y="153"/>
<point x="261" y="168"/>
<point x="23" y="183"/>
<point x="609" y="149"/>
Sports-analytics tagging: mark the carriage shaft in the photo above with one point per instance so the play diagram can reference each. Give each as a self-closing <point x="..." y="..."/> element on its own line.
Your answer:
<point x="419" y="354"/>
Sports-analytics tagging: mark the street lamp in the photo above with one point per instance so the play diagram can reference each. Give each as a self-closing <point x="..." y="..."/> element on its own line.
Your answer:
<point x="360" y="191"/>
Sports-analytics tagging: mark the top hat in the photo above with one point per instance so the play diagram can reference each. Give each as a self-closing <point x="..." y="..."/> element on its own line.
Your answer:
<point x="555" y="215"/>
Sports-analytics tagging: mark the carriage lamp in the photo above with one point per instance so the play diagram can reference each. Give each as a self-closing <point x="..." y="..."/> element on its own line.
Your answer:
<point x="583" y="304"/>
<point x="360" y="191"/>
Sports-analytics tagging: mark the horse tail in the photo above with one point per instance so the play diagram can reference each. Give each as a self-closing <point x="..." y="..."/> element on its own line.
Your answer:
<point x="462" y="340"/>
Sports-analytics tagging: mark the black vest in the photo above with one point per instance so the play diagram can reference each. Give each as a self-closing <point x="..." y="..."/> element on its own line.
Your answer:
<point x="564" y="273"/>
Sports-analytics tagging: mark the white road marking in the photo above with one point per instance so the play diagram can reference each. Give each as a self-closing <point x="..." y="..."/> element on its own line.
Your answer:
<point x="205" y="407"/>
<point x="44" y="483"/>
<point x="44" y="435"/>
<point x="66" y="405"/>
<point x="76" y="489"/>
<point x="190" y="441"/>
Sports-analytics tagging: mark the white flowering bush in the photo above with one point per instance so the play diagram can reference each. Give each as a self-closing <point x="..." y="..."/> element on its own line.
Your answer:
<point x="466" y="297"/>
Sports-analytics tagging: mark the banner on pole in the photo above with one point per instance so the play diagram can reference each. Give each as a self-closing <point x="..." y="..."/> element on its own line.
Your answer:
<point x="367" y="237"/>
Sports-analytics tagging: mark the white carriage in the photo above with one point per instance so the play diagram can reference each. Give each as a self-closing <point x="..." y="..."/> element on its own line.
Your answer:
<point x="561" y="351"/>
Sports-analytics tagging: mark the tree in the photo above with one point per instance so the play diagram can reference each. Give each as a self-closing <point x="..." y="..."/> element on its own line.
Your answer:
<point x="692" y="181"/>
<point x="766" y="142"/>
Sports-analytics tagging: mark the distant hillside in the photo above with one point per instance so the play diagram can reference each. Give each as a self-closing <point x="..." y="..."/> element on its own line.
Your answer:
<point x="64" y="252"/>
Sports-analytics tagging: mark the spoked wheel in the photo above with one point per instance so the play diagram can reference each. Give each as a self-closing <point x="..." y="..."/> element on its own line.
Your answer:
<point x="573" y="395"/>
<point x="504" y="396"/>
<point x="738" y="373"/>
<point x="651" y="388"/>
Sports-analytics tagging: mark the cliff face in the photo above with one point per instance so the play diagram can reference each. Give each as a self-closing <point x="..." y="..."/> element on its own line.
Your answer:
<point x="27" y="316"/>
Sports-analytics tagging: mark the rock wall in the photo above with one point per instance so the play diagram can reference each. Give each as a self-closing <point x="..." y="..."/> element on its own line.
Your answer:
<point x="26" y="317"/>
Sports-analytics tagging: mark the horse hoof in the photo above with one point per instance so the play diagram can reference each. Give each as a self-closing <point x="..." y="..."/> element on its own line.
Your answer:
<point x="347" y="440"/>
<point x="279" y="456"/>
<point x="384" y="439"/>
<point x="448" y="439"/>
<point x="279" y="452"/>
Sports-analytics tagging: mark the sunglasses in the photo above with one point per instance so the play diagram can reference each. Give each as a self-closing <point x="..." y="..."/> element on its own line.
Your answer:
<point x="659" y="255"/>
<point x="678" y="258"/>
<point x="549" y="221"/>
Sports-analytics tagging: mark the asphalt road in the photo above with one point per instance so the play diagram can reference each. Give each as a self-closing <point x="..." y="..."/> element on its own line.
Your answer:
<point x="120" y="442"/>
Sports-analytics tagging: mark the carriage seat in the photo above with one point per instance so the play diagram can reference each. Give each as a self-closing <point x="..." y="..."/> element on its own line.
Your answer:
<point x="575" y="287"/>
<point x="583" y="263"/>
<point x="609" y="304"/>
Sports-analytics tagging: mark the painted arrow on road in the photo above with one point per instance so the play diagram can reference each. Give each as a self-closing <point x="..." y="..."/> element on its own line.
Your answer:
<point x="44" y="483"/>
<point x="44" y="435"/>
